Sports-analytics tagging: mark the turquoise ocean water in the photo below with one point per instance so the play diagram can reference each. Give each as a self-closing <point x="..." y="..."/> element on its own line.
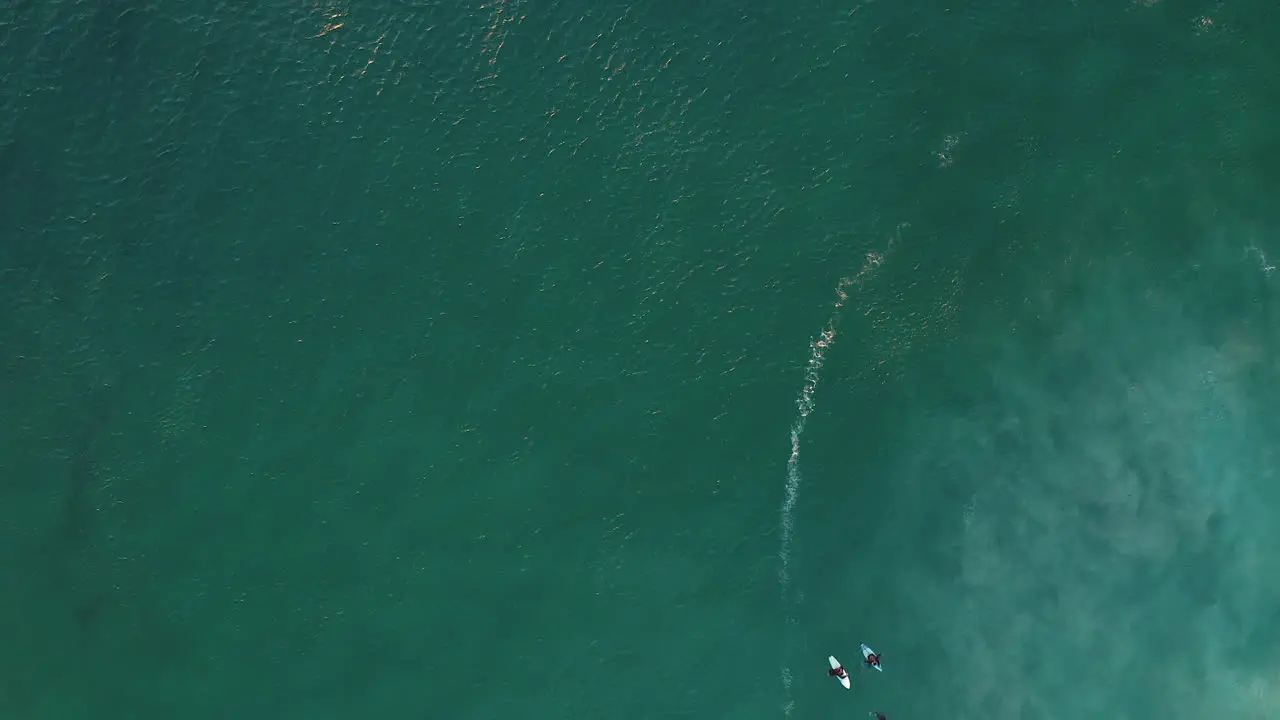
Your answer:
<point x="580" y="360"/>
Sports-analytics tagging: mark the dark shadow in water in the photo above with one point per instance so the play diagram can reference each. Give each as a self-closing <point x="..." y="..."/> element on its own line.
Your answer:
<point x="76" y="564"/>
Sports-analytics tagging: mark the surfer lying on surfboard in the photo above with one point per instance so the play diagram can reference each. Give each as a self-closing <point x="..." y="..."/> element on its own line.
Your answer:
<point x="872" y="660"/>
<point x="839" y="672"/>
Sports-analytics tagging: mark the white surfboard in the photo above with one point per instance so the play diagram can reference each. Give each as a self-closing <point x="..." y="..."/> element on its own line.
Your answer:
<point x="835" y="664"/>
<point x="868" y="652"/>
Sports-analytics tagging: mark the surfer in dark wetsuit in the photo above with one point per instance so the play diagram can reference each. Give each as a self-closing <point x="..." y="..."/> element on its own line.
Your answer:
<point x="879" y="716"/>
<point x="838" y="672"/>
<point x="873" y="660"/>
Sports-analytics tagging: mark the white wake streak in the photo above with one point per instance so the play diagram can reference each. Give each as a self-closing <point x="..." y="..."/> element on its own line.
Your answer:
<point x="805" y="404"/>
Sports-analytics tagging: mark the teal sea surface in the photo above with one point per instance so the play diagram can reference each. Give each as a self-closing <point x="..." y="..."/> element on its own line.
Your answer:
<point x="552" y="359"/>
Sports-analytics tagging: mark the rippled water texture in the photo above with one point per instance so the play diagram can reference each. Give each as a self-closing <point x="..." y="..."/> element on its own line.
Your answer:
<point x="576" y="360"/>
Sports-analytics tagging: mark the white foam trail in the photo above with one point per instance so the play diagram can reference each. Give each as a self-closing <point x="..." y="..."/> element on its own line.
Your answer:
<point x="806" y="403"/>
